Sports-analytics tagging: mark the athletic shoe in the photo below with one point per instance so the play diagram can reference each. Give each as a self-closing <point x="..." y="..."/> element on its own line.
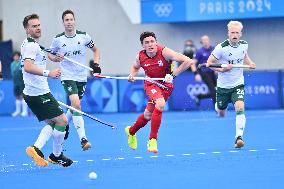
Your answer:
<point x="24" y="114"/>
<point x="131" y="139"/>
<point x="85" y="144"/>
<point x="152" y="145"/>
<point x="66" y="132"/>
<point x="239" y="142"/>
<point x="15" y="114"/>
<point x="37" y="156"/>
<point x="61" y="160"/>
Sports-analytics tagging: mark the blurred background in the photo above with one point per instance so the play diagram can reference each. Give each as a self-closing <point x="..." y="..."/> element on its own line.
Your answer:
<point x="115" y="26"/>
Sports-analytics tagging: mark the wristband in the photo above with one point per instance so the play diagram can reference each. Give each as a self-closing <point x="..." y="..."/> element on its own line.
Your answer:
<point x="45" y="73"/>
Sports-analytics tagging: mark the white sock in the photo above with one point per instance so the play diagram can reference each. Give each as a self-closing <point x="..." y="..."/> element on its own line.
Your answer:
<point x="216" y="109"/>
<point x="18" y="106"/>
<point x="44" y="136"/>
<point x="69" y="115"/>
<point x="24" y="107"/>
<point x="79" y="125"/>
<point x="58" y="138"/>
<point x="240" y="124"/>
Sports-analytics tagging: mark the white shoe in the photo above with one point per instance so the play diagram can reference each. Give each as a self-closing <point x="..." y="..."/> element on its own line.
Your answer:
<point x="24" y="114"/>
<point x="15" y="114"/>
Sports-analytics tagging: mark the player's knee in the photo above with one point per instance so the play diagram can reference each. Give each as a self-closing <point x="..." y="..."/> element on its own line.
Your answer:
<point x="77" y="105"/>
<point x="147" y="115"/>
<point x="239" y="106"/>
<point x="240" y="109"/>
<point x="160" y="104"/>
<point x="63" y="120"/>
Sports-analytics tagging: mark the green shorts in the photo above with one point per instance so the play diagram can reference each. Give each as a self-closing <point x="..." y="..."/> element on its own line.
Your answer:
<point x="225" y="96"/>
<point x="44" y="106"/>
<point x="74" y="87"/>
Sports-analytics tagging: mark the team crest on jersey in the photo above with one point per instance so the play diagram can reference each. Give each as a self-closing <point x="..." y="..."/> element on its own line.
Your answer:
<point x="160" y="63"/>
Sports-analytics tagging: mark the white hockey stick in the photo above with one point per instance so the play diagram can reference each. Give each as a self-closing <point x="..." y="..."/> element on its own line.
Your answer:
<point x="66" y="58"/>
<point x="126" y="78"/>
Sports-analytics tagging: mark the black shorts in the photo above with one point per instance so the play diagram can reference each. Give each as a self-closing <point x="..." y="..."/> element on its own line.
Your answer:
<point x="44" y="106"/>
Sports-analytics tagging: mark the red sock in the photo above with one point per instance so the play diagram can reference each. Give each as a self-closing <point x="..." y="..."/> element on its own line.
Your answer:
<point x="155" y="123"/>
<point x="140" y="122"/>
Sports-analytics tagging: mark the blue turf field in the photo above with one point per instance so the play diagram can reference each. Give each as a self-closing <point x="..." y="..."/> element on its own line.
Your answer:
<point x="195" y="151"/>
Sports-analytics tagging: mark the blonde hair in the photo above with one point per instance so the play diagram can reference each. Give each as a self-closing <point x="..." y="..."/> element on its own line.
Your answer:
<point x="235" y="23"/>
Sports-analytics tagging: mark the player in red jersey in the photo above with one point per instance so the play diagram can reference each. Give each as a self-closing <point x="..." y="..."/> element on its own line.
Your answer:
<point x="156" y="61"/>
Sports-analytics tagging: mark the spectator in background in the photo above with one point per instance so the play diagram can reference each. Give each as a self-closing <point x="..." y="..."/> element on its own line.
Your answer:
<point x="189" y="49"/>
<point x="17" y="75"/>
<point x="206" y="75"/>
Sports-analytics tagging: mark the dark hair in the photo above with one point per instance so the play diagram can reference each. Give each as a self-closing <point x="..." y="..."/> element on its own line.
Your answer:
<point x="189" y="41"/>
<point x="16" y="53"/>
<point x="67" y="12"/>
<point x="146" y="34"/>
<point x="29" y="17"/>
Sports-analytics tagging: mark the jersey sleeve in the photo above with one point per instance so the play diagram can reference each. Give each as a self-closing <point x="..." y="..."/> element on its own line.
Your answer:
<point x="217" y="52"/>
<point x="89" y="42"/>
<point x="30" y="51"/>
<point x="54" y="45"/>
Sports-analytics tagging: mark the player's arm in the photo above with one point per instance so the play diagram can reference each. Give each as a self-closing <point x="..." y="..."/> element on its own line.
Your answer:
<point x="96" y="54"/>
<point x="31" y="68"/>
<point x="96" y="57"/>
<point x="249" y="62"/>
<point x="134" y="69"/>
<point x="213" y="60"/>
<point x="55" y="58"/>
<point x="178" y="57"/>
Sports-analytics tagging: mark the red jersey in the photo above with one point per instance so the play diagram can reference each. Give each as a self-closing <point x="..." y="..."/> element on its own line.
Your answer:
<point x="156" y="66"/>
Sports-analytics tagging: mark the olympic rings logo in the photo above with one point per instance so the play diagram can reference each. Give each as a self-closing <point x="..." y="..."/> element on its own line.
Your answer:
<point x="196" y="89"/>
<point x="163" y="9"/>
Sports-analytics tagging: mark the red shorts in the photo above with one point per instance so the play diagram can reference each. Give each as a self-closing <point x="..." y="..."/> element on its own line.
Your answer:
<point x="154" y="92"/>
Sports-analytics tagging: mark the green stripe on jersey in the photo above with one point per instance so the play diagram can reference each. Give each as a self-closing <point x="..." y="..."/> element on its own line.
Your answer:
<point x="80" y="32"/>
<point x="31" y="40"/>
<point x="243" y="42"/>
<point x="225" y="44"/>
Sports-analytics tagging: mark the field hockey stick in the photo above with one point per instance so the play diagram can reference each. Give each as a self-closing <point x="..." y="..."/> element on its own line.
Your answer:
<point x="87" y="115"/>
<point x="223" y="66"/>
<point x="126" y="78"/>
<point x="66" y="58"/>
<point x="151" y="80"/>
